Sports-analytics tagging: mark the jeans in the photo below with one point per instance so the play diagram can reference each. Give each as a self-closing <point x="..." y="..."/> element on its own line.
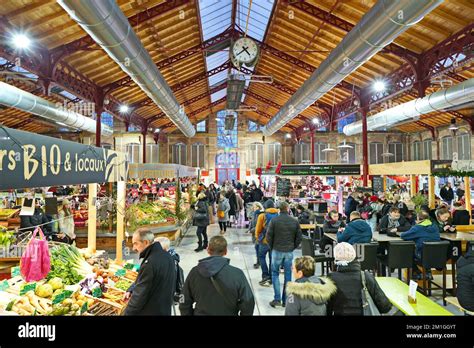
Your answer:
<point x="256" y="252"/>
<point x="263" y="250"/>
<point x="202" y="232"/>
<point x="223" y="226"/>
<point x="281" y="258"/>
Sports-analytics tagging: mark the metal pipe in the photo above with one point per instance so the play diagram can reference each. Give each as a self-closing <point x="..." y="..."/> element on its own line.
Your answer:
<point x="107" y="25"/>
<point x="19" y="99"/>
<point x="378" y="28"/>
<point x="406" y="112"/>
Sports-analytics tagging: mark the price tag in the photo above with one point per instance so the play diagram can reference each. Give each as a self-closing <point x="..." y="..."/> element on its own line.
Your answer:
<point x="15" y="272"/>
<point x="4" y="285"/>
<point x="97" y="292"/>
<point x="84" y="307"/>
<point x="27" y="287"/>
<point x="121" y="272"/>
<point x="59" y="298"/>
<point x="136" y="268"/>
<point x="128" y="266"/>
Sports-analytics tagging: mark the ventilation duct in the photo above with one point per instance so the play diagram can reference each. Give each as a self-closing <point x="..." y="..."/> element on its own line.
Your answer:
<point x="379" y="27"/>
<point x="107" y="25"/>
<point x="17" y="98"/>
<point x="459" y="94"/>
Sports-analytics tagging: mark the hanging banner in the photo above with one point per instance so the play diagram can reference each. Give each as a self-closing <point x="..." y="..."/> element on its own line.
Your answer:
<point x="32" y="160"/>
<point x="160" y="171"/>
<point x="321" y="169"/>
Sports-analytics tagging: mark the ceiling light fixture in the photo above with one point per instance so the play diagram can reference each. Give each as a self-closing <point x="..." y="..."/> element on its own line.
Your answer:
<point x="453" y="125"/>
<point x="345" y="146"/>
<point x="21" y="41"/>
<point x="123" y="108"/>
<point x="379" y="86"/>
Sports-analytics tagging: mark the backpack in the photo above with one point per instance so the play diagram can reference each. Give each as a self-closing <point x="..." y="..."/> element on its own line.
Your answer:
<point x="268" y="218"/>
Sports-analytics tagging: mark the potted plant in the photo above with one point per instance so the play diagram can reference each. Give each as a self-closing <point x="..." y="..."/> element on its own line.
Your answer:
<point x="419" y="200"/>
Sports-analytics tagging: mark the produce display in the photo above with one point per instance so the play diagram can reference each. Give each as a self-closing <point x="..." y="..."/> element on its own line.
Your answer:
<point x="73" y="306"/>
<point x="6" y="237"/>
<point x="149" y="213"/>
<point x="29" y="304"/>
<point x="101" y="308"/>
<point x="68" y="264"/>
<point x="122" y="284"/>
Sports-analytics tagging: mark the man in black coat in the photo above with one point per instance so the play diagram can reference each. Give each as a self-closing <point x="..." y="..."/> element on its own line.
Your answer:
<point x="29" y="223"/>
<point x="393" y="222"/>
<point x="155" y="285"/>
<point x="446" y="193"/>
<point x="351" y="204"/>
<point x="257" y="194"/>
<point x="465" y="278"/>
<point x="216" y="287"/>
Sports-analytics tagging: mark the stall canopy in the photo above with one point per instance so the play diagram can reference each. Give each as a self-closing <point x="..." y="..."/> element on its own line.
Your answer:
<point x="160" y="170"/>
<point x="31" y="160"/>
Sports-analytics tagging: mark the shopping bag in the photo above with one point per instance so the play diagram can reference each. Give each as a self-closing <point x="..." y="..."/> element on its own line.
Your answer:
<point x="35" y="262"/>
<point x="221" y="214"/>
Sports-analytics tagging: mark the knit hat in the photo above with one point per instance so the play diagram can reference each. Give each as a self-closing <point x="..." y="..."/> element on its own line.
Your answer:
<point x="344" y="253"/>
<point x="374" y="199"/>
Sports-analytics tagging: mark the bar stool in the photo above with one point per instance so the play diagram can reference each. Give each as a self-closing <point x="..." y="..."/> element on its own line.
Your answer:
<point x="399" y="255"/>
<point x="307" y="249"/>
<point x="367" y="255"/>
<point x="434" y="255"/>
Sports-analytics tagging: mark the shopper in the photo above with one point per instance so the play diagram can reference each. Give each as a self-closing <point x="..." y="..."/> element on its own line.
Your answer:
<point x="424" y="231"/>
<point x="443" y="221"/>
<point x="303" y="215"/>
<point x="223" y="208"/>
<point x="393" y="222"/>
<point x="447" y="194"/>
<point x="348" y="280"/>
<point x="465" y="280"/>
<point x="211" y="201"/>
<point x="351" y="203"/>
<point x="261" y="236"/>
<point x="155" y="284"/>
<point x="240" y="207"/>
<point x="375" y="207"/>
<point x="201" y="220"/>
<point x="230" y="195"/>
<point x="257" y="209"/>
<point x="397" y="202"/>
<point x="166" y="245"/>
<point x="214" y="287"/>
<point x="333" y="223"/>
<point x="461" y="215"/>
<point x="309" y="294"/>
<point x="356" y="231"/>
<point x="39" y="218"/>
<point x="257" y="193"/>
<point x="66" y="222"/>
<point x="460" y="192"/>
<point x="283" y="237"/>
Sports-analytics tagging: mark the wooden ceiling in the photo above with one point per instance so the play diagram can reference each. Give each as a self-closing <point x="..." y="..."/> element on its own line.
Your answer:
<point x="299" y="35"/>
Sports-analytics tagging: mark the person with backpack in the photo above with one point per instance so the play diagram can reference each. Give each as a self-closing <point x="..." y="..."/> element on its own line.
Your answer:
<point x="166" y="245"/>
<point x="214" y="287"/>
<point x="261" y="230"/>
<point x="283" y="237"/>
<point x="223" y="208"/>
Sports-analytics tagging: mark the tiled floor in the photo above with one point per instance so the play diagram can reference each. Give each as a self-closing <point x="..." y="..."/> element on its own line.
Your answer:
<point x="241" y="253"/>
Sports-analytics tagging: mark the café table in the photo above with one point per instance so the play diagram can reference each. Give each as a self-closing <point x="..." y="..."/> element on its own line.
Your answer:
<point x="397" y="292"/>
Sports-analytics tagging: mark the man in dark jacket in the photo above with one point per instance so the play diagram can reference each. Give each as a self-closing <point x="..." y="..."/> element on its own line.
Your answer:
<point x="446" y="193"/>
<point x="348" y="280"/>
<point x="201" y="220"/>
<point x="356" y="231"/>
<point x="283" y="236"/>
<point x="393" y="222"/>
<point x="460" y="216"/>
<point x="465" y="278"/>
<point x="216" y="287"/>
<point x="155" y="284"/>
<point x="351" y="204"/>
<point x="257" y="194"/>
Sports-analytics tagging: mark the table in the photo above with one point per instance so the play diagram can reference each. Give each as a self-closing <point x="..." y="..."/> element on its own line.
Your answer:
<point x="397" y="292"/>
<point x="310" y="226"/>
<point x="382" y="238"/>
<point x="459" y="236"/>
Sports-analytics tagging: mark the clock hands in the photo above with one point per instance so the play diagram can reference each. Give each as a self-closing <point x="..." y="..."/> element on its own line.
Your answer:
<point x="244" y="48"/>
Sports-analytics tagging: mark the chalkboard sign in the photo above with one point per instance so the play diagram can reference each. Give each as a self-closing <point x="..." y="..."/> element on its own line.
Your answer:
<point x="377" y="183"/>
<point x="283" y="187"/>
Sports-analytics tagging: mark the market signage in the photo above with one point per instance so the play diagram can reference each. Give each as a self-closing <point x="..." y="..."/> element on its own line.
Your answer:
<point x="462" y="166"/>
<point x="160" y="170"/>
<point x="321" y="169"/>
<point x="32" y="160"/>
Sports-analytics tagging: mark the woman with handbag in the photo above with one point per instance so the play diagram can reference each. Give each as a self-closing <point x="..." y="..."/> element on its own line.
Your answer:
<point x="223" y="208"/>
<point x="354" y="287"/>
<point x="201" y="220"/>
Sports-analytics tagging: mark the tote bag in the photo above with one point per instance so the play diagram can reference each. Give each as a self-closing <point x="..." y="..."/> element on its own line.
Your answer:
<point x="35" y="262"/>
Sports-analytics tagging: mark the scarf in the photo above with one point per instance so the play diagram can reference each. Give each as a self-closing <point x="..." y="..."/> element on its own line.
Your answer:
<point x="393" y="223"/>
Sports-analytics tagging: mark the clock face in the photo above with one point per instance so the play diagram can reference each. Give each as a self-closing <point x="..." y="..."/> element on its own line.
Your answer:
<point x="245" y="50"/>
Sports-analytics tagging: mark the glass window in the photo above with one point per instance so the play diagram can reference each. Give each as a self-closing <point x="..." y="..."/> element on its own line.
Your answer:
<point x="227" y="138"/>
<point x="153" y="153"/>
<point x="197" y="155"/>
<point x="464" y="146"/>
<point x="201" y="127"/>
<point x="375" y="153"/>
<point x="427" y="149"/>
<point x="397" y="150"/>
<point x="256" y="155"/>
<point x="179" y="153"/>
<point x="253" y="127"/>
<point x="319" y="155"/>
<point x="302" y="153"/>
<point x="274" y="153"/>
<point x="348" y="155"/>
<point x="447" y="153"/>
<point x="416" y="151"/>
